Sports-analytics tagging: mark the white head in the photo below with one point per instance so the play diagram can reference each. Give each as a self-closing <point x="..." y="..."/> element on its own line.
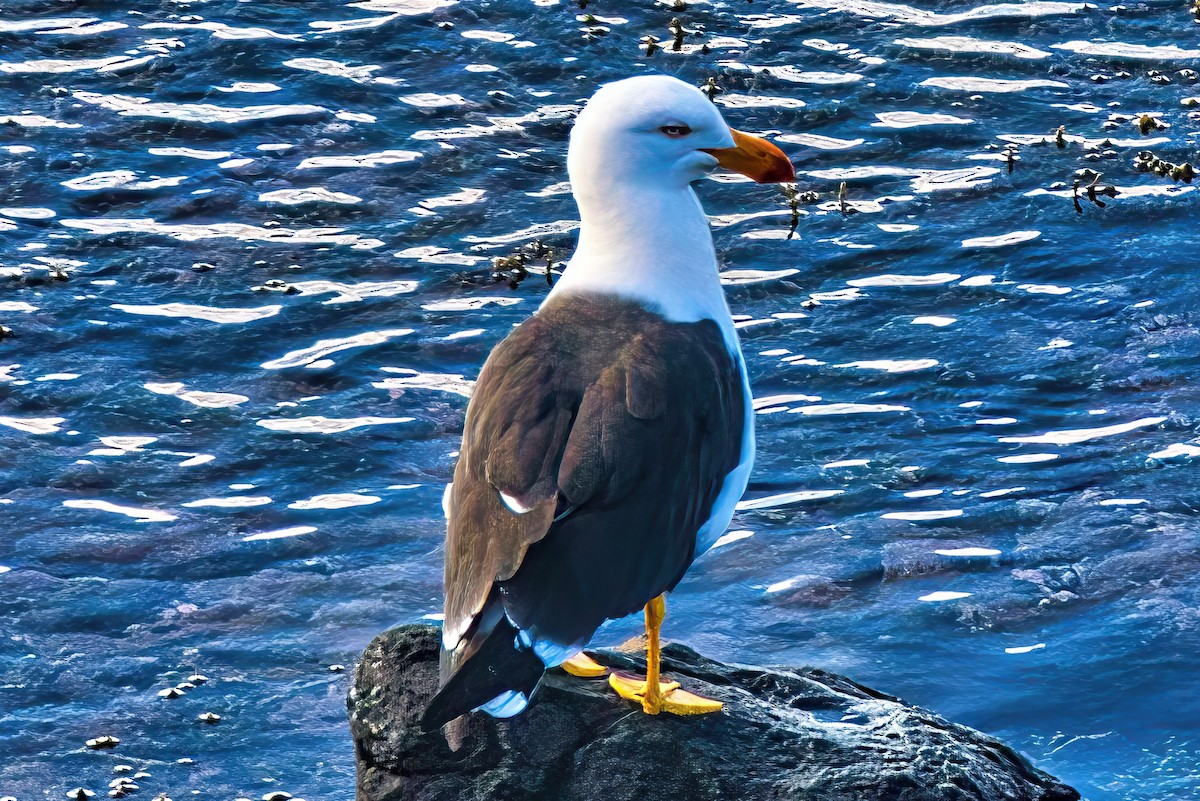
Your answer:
<point x="658" y="130"/>
<point x="635" y="150"/>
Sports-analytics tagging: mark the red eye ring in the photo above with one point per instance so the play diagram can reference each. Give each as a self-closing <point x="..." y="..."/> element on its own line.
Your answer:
<point x="676" y="131"/>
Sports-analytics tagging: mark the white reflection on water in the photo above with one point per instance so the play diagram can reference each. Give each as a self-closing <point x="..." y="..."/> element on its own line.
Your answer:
<point x="349" y="293"/>
<point x="125" y="180"/>
<point x="1177" y="450"/>
<point x="432" y="100"/>
<point x="325" y="347"/>
<point x="904" y="280"/>
<point x="128" y="106"/>
<point x="731" y="537"/>
<point x="1134" y="51"/>
<point x="793" y="75"/>
<point x="944" y="595"/>
<point x="1001" y="240"/>
<point x="49" y="24"/>
<point x="916" y="119"/>
<point x="237" y="502"/>
<point x="196" y="397"/>
<point x="1077" y="435"/>
<point x="847" y="408"/>
<point x="368" y="160"/>
<point x="190" y="152"/>
<point x="28" y="212"/>
<point x="194" y="232"/>
<point x="734" y="100"/>
<point x="996" y="85"/>
<point x="967" y="44"/>
<point x="1001" y="492"/>
<point x="785" y="498"/>
<point x="63" y="65"/>
<point x="967" y="552"/>
<point x="33" y="425"/>
<point x="873" y="9"/>
<point x="35" y="121"/>
<point x="415" y="379"/>
<point x="328" y="425"/>
<point x="312" y="194"/>
<point x="220" y="30"/>
<point x="1028" y="458"/>
<point x="337" y="500"/>
<point x="207" y="313"/>
<point x="281" y="533"/>
<point x="137" y="513"/>
<point x="892" y="365"/>
<point x="919" y="517"/>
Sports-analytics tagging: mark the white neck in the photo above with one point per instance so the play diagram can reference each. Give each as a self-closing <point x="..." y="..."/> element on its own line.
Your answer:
<point x="652" y="244"/>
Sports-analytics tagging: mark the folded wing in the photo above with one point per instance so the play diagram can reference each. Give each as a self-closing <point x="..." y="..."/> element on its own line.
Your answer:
<point x="596" y="443"/>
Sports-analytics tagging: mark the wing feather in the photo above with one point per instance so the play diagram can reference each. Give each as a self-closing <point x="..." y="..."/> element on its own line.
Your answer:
<point x="580" y="420"/>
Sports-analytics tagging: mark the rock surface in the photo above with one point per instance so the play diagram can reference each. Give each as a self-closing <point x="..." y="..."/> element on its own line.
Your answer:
<point x="785" y="735"/>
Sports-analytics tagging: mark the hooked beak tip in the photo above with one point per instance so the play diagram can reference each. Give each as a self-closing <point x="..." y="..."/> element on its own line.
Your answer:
<point x="756" y="158"/>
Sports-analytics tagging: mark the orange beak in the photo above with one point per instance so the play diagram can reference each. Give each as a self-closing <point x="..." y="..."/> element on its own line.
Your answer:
<point x="755" y="158"/>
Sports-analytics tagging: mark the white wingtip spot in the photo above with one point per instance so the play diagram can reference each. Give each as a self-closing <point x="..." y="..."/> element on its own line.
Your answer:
<point x="552" y="654"/>
<point x="513" y="504"/>
<point x="506" y="704"/>
<point x="450" y="637"/>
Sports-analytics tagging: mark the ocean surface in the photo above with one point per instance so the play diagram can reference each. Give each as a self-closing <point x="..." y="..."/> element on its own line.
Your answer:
<point x="246" y="279"/>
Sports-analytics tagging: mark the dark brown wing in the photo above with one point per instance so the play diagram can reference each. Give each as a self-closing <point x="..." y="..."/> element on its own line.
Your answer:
<point x="614" y="429"/>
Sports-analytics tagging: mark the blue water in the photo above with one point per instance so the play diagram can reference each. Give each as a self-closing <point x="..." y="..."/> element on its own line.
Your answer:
<point x="375" y="162"/>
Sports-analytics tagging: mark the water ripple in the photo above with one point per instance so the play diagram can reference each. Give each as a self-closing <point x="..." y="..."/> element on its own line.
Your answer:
<point x="917" y="16"/>
<point x="328" y="425"/>
<point x="191" y="232"/>
<point x="248" y="285"/>
<point x="1077" y="435"/>
<point x="967" y="44"/>
<point x="208" y="313"/>
<point x="314" y="354"/>
<point x="129" y="106"/>
<point x="1131" y="51"/>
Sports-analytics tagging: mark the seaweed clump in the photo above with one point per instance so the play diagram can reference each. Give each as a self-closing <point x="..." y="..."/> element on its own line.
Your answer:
<point x="794" y="198"/>
<point x="514" y="268"/>
<point x="1148" y="162"/>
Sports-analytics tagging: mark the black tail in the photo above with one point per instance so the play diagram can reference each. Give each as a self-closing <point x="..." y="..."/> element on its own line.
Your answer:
<point x="493" y="662"/>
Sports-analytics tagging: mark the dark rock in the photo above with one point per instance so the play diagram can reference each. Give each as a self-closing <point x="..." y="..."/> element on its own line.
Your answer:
<point x="785" y="735"/>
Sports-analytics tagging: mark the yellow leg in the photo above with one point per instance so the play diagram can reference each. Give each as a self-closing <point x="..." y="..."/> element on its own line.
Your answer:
<point x="584" y="666"/>
<point x="654" y="694"/>
<point x="652" y="697"/>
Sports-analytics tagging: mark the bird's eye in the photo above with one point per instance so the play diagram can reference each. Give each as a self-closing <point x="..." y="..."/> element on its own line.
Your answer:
<point x="675" y="131"/>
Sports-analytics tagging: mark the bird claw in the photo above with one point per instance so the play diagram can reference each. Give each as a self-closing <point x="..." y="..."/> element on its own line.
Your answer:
<point x="584" y="666"/>
<point x="669" y="698"/>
